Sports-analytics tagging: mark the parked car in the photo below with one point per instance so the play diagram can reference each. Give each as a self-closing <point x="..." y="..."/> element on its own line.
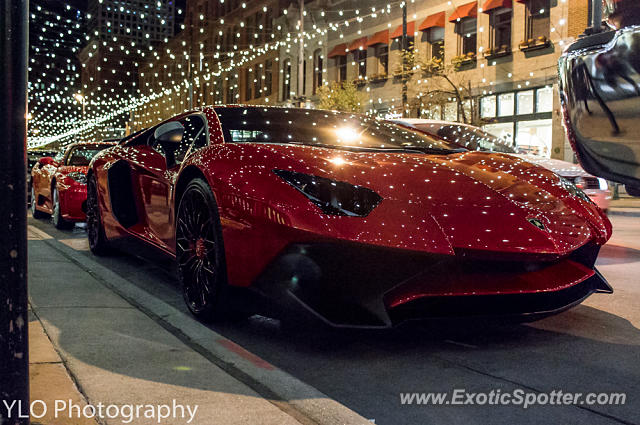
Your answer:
<point x="475" y="138"/>
<point x="342" y="218"/>
<point x="600" y="98"/>
<point x="33" y="155"/>
<point x="59" y="184"/>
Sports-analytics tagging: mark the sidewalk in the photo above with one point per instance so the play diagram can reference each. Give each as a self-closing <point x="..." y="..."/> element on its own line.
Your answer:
<point x="117" y="354"/>
<point x="625" y="205"/>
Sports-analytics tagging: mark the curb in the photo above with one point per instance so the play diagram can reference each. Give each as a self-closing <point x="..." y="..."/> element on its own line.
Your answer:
<point x="303" y="402"/>
<point x="628" y="212"/>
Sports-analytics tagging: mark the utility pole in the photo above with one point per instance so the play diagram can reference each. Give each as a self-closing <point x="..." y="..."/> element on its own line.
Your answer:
<point x="596" y="13"/>
<point x="14" y="320"/>
<point x="404" y="58"/>
<point x="301" y="54"/>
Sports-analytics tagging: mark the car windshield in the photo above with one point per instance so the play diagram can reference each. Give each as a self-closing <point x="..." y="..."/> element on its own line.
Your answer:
<point x="472" y="138"/>
<point x="324" y="128"/>
<point x="81" y="156"/>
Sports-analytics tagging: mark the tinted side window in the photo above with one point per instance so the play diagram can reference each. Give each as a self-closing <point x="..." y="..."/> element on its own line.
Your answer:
<point x="195" y="134"/>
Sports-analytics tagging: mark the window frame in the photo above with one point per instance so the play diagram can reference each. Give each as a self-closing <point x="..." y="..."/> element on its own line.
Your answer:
<point x="531" y="15"/>
<point x="381" y="53"/>
<point x="496" y="26"/>
<point x="463" y="36"/>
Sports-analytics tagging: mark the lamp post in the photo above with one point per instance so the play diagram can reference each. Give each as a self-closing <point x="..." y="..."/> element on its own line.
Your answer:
<point x="81" y="99"/>
<point x="14" y="319"/>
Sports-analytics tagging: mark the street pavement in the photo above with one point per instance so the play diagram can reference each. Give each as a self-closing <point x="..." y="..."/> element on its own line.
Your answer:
<point x="594" y="347"/>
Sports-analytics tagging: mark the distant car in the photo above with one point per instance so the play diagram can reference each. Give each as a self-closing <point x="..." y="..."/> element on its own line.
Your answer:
<point x="600" y="98"/>
<point x="59" y="184"/>
<point x="33" y="155"/>
<point x="339" y="217"/>
<point x="475" y="138"/>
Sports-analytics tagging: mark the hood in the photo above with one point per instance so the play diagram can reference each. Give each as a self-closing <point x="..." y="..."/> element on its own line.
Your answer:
<point x="474" y="201"/>
<point x="562" y="168"/>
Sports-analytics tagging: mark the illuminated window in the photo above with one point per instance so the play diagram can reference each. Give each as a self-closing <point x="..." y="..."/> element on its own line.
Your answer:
<point x="538" y="19"/>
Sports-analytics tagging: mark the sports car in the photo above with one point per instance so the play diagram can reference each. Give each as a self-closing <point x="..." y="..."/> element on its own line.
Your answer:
<point x="344" y="219"/>
<point x="59" y="184"/>
<point x="475" y="138"/>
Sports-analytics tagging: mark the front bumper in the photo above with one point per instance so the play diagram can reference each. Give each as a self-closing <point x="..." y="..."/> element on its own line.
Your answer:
<point x="73" y="201"/>
<point x="350" y="285"/>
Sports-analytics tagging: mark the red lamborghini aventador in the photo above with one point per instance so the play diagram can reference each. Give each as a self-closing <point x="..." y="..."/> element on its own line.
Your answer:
<point x="59" y="184"/>
<point x="344" y="218"/>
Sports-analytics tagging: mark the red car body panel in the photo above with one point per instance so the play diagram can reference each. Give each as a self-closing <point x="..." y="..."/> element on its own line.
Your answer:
<point x="471" y="205"/>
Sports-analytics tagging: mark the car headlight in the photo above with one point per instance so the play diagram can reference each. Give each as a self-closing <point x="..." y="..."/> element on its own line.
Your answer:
<point x="603" y="183"/>
<point x="78" y="177"/>
<point x="573" y="189"/>
<point x="333" y="197"/>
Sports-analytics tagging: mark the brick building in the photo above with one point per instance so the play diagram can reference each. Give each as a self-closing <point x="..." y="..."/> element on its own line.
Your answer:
<point x="499" y="56"/>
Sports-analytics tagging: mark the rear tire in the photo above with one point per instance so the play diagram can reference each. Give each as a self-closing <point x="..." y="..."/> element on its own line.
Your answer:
<point x="59" y="222"/>
<point x="37" y="214"/>
<point x="200" y="255"/>
<point x="98" y="242"/>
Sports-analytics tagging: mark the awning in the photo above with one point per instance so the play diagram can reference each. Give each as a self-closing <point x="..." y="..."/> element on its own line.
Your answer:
<point x="435" y="20"/>
<point x="358" y="44"/>
<point x="338" y="50"/>
<point x="381" y="37"/>
<point x="469" y="10"/>
<point x="489" y="5"/>
<point x="411" y="29"/>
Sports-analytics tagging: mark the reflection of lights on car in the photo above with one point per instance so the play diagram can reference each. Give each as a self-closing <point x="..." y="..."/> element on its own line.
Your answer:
<point x="346" y="134"/>
<point x="337" y="161"/>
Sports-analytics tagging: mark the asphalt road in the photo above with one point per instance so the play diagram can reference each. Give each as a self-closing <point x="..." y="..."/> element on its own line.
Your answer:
<point x="594" y="347"/>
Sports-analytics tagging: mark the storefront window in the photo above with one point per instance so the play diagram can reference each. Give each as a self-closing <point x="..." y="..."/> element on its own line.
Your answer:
<point x="502" y="130"/>
<point x="433" y="113"/>
<point x="525" y="102"/>
<point x="534" y="137"/>
<point x="451" y="111"/>
<point x="544" y="99"/>
<point x="505" y="104"/>
<point x="488" y="107"/>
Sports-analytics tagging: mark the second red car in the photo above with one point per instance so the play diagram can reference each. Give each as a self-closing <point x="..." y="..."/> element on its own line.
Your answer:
<point x="59" y="184"/>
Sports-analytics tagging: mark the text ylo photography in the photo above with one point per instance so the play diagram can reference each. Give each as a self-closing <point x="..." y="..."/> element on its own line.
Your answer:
<point x="127" y="413"/>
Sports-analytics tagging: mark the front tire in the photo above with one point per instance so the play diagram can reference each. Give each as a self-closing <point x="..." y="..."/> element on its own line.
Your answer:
<point x="37" y="214"/>
<point x="59" y="222"/>
<point x="200" y="254"/>
<point x="98" y="242"/>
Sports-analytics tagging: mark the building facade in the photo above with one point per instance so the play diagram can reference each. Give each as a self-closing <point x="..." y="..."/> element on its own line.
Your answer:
<point x="490" y="63"/>
<point x="497" y="58"/>
<point x="57" y="32"/>
<point x="121" y="34"/>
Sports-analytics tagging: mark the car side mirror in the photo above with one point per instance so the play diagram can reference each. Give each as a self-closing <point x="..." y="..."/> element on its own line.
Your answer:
<point x="169" y="135"/>
<point x="600" y="99"/>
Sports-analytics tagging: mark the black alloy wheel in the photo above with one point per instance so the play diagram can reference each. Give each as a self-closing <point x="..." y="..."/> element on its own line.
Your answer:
<point x="56" y="217"/>
<point x="36" y="213"/>
<point x="98" y="242"/>
<point x="200" y="253"/>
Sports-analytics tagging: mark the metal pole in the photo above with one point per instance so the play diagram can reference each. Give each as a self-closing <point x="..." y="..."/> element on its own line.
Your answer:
<point x="301" y="54"/>
<point x="404" y="59"/>
<point x="14" y="320"/>
<point x="596" y="8"/>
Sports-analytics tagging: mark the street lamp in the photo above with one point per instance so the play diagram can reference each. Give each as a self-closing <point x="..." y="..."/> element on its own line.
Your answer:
<point x="80" y="98"/>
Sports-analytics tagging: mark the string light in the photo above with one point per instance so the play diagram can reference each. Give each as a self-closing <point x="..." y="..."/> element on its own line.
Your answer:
<point x="56" y="112"/>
